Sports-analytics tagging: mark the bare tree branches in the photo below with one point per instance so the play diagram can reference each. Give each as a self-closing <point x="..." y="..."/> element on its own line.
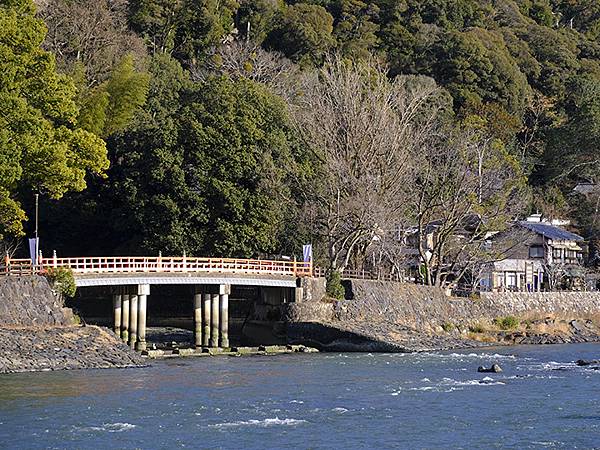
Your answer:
<point x="91" y="32"/>
<point x="362" y="127"/>
<point x="246" y="59"/>
<point x="463" y="185"/>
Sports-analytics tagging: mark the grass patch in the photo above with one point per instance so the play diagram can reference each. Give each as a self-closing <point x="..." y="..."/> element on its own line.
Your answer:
<point x="476" y="328"/>
<point x="448" y="327"/>
<point x="507" y="323"/>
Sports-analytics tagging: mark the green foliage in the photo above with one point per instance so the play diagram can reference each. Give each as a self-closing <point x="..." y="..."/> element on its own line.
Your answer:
<point x="109" y="108"/>
<point x="304" y="34"/>
<point x="507" y="323"/>
<point x="41" y="146"/>
<point x="214" y="166"/>
<point x="476" y="328"/>
<point x="206" y="168"/>
<point x="448" y="327"/>
<point x="186" y="28"/>
<point x="261" y="15"/>
<point x="62" y="280"/>
<point x="333" y="287"/>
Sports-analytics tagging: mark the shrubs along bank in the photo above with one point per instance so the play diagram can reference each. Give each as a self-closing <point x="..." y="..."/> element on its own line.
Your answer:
<point x="37" y="333"/>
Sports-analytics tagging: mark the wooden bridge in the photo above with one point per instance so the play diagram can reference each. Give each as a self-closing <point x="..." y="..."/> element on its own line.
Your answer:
<point x="94" y="271"/>
<point x="107" y="265"/>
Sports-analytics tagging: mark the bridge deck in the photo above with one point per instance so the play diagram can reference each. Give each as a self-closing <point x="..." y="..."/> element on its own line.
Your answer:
<point x="199" y="278"/>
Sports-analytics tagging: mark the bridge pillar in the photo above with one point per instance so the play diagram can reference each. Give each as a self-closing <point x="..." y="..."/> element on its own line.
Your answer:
<point x="117" y="299"/>
<point x="224" y="291"/>
<point x="214" y="320"/>
<point x="206" y="319"/>
<point x="133" y="318"/>
<point x="125" y="317"/>
<point x="198" y="316"/>
<point x="143" y="290"/>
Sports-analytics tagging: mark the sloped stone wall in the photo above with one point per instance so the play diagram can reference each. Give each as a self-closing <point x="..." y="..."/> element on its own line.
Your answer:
<point x="30" y="301"/>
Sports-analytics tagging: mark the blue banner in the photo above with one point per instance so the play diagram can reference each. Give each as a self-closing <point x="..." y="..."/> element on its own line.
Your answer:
<point x="307" y="252"/>
<point x="34" y="247"/>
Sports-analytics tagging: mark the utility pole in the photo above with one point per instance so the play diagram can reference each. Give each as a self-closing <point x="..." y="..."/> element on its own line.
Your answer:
<point x="37" y="204"/>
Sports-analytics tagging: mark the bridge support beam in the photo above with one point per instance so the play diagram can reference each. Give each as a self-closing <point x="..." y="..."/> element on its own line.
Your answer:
<point x="211" y="315"/>
<point x="198" y="329"/>
<point x="224" y="291"/>
<point x="143" y="290"/>
<point x="206" y="319"/>
<point x="117" y="299"/>
<point x="214" y="320"/>
<point x="125" y="317"/>
<point x="133" y="315"/>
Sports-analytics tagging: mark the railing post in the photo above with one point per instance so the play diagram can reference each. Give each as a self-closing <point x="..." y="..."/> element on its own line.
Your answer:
<point x="294" y="268"/>
<point x="184" y="260"/>
<point x="7" y="261"/>
<point x="54" y="262"/>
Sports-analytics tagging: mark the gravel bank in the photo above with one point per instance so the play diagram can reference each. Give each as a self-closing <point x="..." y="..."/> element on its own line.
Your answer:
<point x="32" y="349"/>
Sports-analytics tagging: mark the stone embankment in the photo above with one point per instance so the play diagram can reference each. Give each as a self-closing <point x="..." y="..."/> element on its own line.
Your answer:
<point x="37" y="333"/>
<point x="386" y="316"/>
<point x="60" y="348"/>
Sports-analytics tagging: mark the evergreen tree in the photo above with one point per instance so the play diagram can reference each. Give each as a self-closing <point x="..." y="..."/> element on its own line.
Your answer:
<point x="41" y="147"/>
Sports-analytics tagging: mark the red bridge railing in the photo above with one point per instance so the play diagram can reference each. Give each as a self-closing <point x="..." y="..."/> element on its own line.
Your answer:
<point x="159" y="264"/>
<point x="180" y="264"/>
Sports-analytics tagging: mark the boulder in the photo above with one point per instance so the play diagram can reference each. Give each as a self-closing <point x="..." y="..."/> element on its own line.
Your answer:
<point x="494" y="369"/>
<point x="583" y="362"/>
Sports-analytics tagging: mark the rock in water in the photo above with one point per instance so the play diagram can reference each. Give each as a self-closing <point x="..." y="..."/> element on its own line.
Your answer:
<point x="583" y="362"/>
<point x="494" y="369"/>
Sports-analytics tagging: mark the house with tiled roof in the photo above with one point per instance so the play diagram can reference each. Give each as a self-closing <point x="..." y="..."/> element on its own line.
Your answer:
<point x="544" y="256"/>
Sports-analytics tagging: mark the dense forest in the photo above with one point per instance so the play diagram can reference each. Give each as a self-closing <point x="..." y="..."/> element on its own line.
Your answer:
<point x="250" y="127"/>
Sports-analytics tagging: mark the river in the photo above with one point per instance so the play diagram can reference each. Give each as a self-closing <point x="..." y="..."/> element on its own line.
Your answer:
<point x="353" y="400"/>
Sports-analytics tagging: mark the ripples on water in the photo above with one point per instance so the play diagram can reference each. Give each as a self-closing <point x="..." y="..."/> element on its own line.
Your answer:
<point x="427" y="400"/>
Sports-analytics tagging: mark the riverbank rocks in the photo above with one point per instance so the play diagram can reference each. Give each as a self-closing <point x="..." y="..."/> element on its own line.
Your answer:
<point x="34" y="349"/>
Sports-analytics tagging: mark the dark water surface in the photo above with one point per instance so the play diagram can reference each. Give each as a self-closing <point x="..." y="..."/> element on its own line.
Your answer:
<point x="541" y="400"/>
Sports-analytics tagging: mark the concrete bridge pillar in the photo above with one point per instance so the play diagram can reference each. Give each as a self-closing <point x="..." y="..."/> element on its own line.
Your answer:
<point x="133" y="319"/>
<point x="143" y="290"/>
<point x="117" y="300"/>
<point x="125" y="317"/>
<point x="198" y="317"/>
<point x="214" y="320"/>
<point x="224" y="291"/>
<point x="206" y="319"/>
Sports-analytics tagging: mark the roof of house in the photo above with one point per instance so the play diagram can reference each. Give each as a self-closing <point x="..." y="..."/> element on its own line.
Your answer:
<point x="551" y="231"/>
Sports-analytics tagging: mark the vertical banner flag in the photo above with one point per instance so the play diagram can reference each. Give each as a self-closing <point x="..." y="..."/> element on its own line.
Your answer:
<point x="307" y="252"/>
<point x="34" y="247"/>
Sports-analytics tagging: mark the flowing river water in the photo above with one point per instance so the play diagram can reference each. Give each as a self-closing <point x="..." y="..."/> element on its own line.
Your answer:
<point x="328" y="400"/>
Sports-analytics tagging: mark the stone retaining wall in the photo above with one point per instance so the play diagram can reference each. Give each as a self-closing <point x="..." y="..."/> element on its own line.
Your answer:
<point x="30" y="301"/>
<point x="426" y="308"/>
<point x="388" y="316"/>
<point x="564" y="305"/>
<point x="37" y="332"/>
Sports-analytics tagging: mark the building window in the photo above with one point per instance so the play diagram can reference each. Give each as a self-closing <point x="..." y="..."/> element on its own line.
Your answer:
<point x="511" y="280"/>
<point x="536" y="252"/>
<point x="557" y="253"/>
